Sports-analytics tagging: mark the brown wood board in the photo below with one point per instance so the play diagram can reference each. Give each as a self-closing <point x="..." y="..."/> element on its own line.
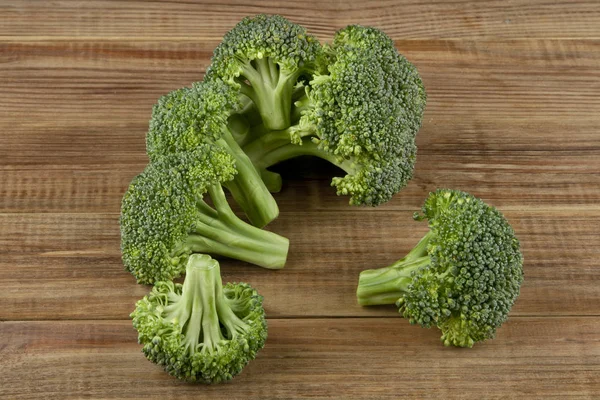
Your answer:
<point x="513" y="116"/>
<point x="381" y="358"/>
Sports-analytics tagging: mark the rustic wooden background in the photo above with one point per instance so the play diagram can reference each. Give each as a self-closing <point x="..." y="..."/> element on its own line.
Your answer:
<point x="513" y="116"/>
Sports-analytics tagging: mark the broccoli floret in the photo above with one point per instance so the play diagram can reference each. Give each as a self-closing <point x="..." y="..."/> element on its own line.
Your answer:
<point x="362" y="115"/>
<point x="463" y="276"/>
<point x="208" y="113"/>
<point x="263" y="57"/>
<point x="164" y="218"/>
<point x="201" y="331"/>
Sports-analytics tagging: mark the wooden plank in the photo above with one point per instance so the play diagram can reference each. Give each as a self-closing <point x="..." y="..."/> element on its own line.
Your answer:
<point x="149" y="66"/>
<point x="210" y="20"/>
<point x="513" y="121"/>
<point x="88" y="103"/>
<point x="101" y="147"/>
<point x="503" y="180"/>
<point x="535" y="358"/>
<point x="65" y="266"/>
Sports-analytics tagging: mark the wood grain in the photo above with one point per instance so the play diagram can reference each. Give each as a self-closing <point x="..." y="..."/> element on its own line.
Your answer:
<point x="525" y="182"/>
<point x="182" y="20"/>
<point x="125" y="76"/>
<point x="314" y="358"/>
<point x="79" y="253"/>
<point x="513" y="116"/>
<point x="89" y="103"/>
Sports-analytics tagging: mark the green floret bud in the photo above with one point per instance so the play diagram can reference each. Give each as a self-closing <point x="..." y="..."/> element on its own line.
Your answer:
<point x="185" y="118"/>
<point x="207" y="113"/>
<point x="164" y="218"/>
<point x="464" y="275"/>
<point x="362" y="113"/>
<point x="201" y="331"/>
<point x="376" y="183"/>
<point x="373" y="99"/>
<point x="263" y="57"/>
<point x="369" y="110"/>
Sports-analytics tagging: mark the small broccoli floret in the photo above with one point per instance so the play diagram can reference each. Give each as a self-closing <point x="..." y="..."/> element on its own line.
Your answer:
<point x="207" y="112"/>
<point x="263" y="57"/>
<point x="164" y="218"/>
<point x="463" y="276"/>
<point x="362" y="115"/>
<point x="201" y="331"/>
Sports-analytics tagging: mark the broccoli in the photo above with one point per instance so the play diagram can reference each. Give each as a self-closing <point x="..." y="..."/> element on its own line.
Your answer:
<point x="463" y="276"/>
<point x="206" y="113"/>
<point x="164" y="217"/>
<point x="361" y="112"/>
<point x="201" y="331"/>
<point x="273" y="92"/>
<point x="263" y="57"/>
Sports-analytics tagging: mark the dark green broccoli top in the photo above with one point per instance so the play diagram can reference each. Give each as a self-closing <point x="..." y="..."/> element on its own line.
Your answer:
<point x="463" y="276"/>
<point x="475" y="272"/>
<point x="368" y="107"/>
<point x="263" y="36"/>
<point x="188" y="117"/>
<point x="160" y="208"/>
<point x="184" y="118"/>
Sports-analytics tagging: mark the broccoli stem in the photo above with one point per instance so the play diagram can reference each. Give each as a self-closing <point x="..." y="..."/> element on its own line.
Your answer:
<point x="272" y="180"/>
<point x="267" y="141"/>
<point x="232" y="323"/>
<point x="247" y="187"/>
<point x="387" y="285"/>
<point x="219" y="231"/>
<point x="239" y="128"/>
<point x="275" y="147"/>
<point x="196" y="310"/>
<point x="270" y="89"/>
<point x="307" y="148"/>
<point x="239" y="305"/>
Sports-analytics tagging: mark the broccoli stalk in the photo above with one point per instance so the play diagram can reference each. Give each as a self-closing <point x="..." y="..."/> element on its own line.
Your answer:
<point x="389" y="284"/>
<point x="463" y="276"/>
<point x="270" y="88"/>
<point x="247" y="187"/>
<point x="201" y="331"/>
<point x="277" y="146"/>
<point x="201" y="307"/>
<point x="219" y="231"/>
<point x="270" y="150"/>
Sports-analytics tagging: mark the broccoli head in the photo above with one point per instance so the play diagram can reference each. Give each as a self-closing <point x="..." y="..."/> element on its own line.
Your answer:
<point x="362" y="114"/>
<point x="263" y="57"/>
<point x="208" y="112"/>
<point x="201" y="331"/>
<point x="463" y="276"/>
<point x="165" y="218"/>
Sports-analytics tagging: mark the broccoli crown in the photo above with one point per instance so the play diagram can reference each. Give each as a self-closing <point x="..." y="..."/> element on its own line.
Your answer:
<point x="184" y="118"/>
<point x="263" y="36"/>
<point x="160" y="207"/>
<point x="187" y="117"/>
<point x="201" y="331"/>
<point x="475" y="270"/>
<point x="368" y="107"/>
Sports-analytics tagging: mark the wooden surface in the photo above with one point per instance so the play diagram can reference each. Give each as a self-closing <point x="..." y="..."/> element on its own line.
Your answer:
<point x="513" y="116"/>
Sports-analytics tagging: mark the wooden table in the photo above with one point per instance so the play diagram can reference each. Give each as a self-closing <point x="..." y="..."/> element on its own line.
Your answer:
<point x="513" y="116"/>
